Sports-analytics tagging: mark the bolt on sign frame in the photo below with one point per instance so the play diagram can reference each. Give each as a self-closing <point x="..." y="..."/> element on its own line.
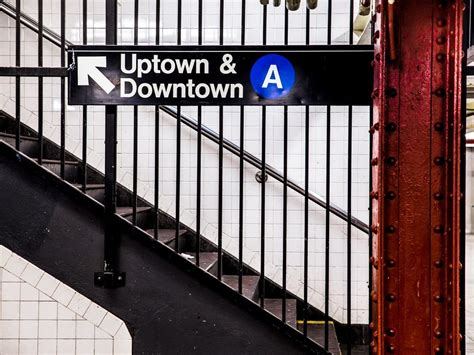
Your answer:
<point x="417" y="190"/>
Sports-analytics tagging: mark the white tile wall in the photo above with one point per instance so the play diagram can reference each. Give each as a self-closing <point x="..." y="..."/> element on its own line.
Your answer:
<point x="31" y="322"/>
<point x="253" y="129"/>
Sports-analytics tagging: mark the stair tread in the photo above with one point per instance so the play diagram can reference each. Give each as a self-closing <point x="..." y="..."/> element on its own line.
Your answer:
<point x="11" y="135"/>
<point x="206" y="259"/>
<point x="249" y="283"/>
<point x="91" y="186"/>
<point x="128" y="210"/>
<point x="274" y="306"/>
<point x="165" y="235"/>
<point x="54" y="161"/>
<point x="316" y="332"/>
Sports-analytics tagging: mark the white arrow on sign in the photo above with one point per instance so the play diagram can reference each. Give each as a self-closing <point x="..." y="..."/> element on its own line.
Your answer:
<point x="87" y="67"/>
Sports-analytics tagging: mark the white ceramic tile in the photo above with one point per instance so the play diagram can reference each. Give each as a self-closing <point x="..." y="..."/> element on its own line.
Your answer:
<point x="9" y="329"/>
<point x="79" y="304"/>
<point x="84" y="329"/>
<point x="15" y="265"/>
<point x="10" y="291"/>
<point x="29" y="329"/>
<point x="110" y="324"/>
<point x="32" y="274"/>
<point x="28" y="292"/>
<point x="66" y="329"/>
<point x="47" y="329"/>
<point x="10" y="310"/>
<point x="123" y="333"/>
<point x="63" y="294"/>
<point x="46" y="346"/>
<point x="44" y="297"/>
<point x="100" y="334"/>
<point x="122" y="347"/>
<point x="47" y="284"/>
<point x="48" y="310"/>
<point x="95" y="314"/>
<point x="84" y="346"/>
<point x="65" y="313"/>
<point x="29" y="310"/>
<point x="103" y="346"/>
<point x="9" y="346"/>
<point x="66" y="346"/>
<point x="28" y="346"/>
<point x="9" y="277"/>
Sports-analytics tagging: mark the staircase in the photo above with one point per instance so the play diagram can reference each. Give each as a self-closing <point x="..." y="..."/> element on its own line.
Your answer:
<point x="145" y="221"/>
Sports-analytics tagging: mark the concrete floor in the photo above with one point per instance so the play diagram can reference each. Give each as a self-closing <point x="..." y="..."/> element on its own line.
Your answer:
<point x="470" y="294"/>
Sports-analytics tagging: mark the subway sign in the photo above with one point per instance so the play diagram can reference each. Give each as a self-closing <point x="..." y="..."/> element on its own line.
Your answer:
<point x="224" y="75"/>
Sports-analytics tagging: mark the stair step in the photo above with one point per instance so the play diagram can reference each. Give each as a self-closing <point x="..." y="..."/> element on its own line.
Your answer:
<point x="165" y="235"/>
<point x="57" y="162"/>
<point x="249" y="284"/>
<point x="274" y="306"/>
<point x="316" y="332"/>
<point x="22" y="138"/>
<point x="128" y="211"/>
<point x="91" y="186"/>
<point x="206" y="259"/>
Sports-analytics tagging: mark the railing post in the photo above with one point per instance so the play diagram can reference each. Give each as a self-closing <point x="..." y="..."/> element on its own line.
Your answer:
<point x="416" y="191"/>
<point x="110" y="277"/>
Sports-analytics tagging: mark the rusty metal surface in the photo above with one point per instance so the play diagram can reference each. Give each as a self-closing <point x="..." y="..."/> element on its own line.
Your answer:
<point x="416" y="194"/>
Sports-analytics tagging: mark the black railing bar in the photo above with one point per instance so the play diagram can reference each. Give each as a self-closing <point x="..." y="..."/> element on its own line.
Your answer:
<point x="84" y="107"/>
<point x="178" y="146"/>
<point x="328" y="228"/>
<point x="156" y="224"/>
<point x="285" y="190"/>
<point x="17" y="78"/>
<point x="262" y="183"/>
<point x="63" y="90"/>
<point x="306" y="201"/>
<point x="34" y="71"/>
<point x="349" y="229"/>
<point x="241" y="163"/>
<point x="198" y="154"/>
<point x="221" y="159"/>
<point x="251" y="159"/>
<point x="349" y="198"/>
<point x="135" y="127"/>
<point x="33" y="25"/>
<point x="40" y="82"/>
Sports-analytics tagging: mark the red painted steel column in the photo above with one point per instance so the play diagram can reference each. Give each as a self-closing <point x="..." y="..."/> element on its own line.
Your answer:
<point x="416" y="195"/>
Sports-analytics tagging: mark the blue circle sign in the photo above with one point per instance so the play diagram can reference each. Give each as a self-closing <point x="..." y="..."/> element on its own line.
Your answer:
<point x="272" y="76"/>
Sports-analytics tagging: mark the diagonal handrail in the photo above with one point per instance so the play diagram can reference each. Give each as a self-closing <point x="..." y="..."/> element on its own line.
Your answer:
<point x="55" y="39"/>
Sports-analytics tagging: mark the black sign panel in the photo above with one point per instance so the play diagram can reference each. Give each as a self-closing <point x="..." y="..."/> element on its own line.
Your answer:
<point x="224" y="75"/>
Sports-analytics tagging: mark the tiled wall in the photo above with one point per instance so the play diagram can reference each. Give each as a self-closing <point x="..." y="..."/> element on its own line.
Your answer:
<point x="41" y="315"/>
<point x="253" y="129"/>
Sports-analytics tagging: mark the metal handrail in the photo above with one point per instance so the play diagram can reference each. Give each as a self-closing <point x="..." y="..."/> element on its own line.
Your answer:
<point x="207" y="132"/>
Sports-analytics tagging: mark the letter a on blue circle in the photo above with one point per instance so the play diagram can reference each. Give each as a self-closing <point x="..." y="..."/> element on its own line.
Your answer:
<point x="272" y="76"/>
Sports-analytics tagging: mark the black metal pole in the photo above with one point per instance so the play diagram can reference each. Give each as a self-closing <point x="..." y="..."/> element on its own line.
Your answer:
<point x="221" y="159"/>
<point x="264" y="174"/>
<point x="285" y="191"/>
<point x="135" y="130"/>
<point x="84" y="107"/>
<point x="157" y="136"/>
<point x="17" y="78"/>
<point x="110" y="277"/>
<point x="198" y="154"/>
<point x="40" y="82"/>
<point x="63" y="89"/>
<point x="306" y="201"/>
<point x="241" y="166"/>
